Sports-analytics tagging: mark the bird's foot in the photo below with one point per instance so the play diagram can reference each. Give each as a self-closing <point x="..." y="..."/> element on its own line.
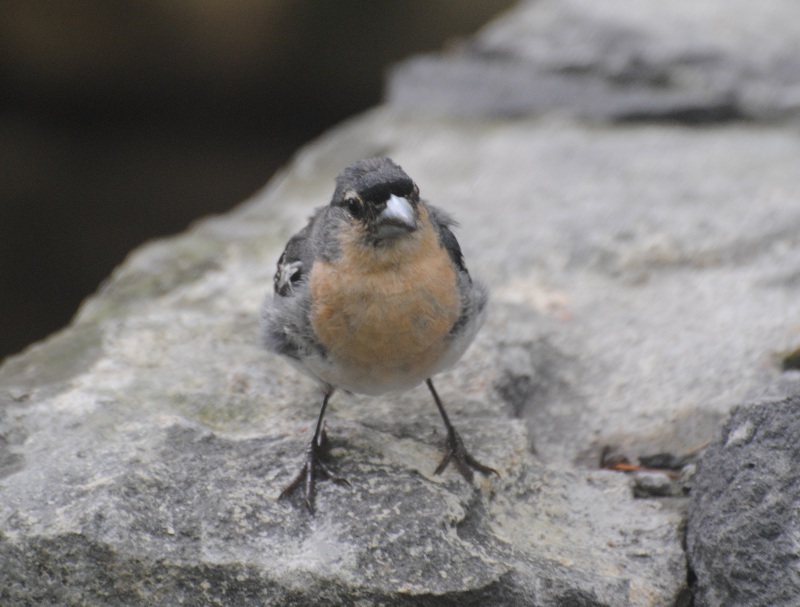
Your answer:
<point x="313" y="468"/>
<point x="457" y="453"/>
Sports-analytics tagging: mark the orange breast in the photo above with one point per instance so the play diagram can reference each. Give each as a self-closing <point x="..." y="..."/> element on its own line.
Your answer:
<point x="385" y="313"/>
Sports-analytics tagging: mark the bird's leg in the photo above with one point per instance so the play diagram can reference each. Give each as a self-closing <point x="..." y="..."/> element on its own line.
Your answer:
<point x="313" y="465"/>
<point x="456" y="451"/>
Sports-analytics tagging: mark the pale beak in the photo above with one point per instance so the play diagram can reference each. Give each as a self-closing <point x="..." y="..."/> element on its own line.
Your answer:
<point x="397" y="218"/>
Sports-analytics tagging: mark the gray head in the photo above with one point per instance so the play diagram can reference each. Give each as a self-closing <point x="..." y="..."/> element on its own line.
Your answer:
<point x="378" y="199"/>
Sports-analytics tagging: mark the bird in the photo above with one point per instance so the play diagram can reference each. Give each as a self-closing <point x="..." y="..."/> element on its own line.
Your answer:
<point x="373" y="296"/>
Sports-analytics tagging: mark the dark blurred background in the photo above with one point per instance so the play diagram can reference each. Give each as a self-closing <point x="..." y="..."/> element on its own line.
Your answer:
<point x="124" y="120"/>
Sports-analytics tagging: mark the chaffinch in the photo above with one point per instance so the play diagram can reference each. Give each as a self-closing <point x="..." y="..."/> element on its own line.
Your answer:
<point x="372" y="296"/>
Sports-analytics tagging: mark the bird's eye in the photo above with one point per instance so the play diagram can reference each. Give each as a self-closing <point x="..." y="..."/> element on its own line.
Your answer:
<point x="354" y="207"/>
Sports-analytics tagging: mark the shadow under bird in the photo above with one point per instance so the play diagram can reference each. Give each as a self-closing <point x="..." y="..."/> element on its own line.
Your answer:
<point x="373" y="296"/>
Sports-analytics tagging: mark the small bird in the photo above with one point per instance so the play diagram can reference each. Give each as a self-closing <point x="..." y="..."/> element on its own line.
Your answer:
<point x="373" y="296"/>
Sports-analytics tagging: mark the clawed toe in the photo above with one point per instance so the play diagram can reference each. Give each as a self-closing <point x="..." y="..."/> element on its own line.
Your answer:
<point x="312" y="469"/>
<point x="457" y="453"/>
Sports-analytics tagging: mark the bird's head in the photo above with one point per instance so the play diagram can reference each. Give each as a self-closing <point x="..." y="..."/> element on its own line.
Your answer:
<point x="378" y="202"/>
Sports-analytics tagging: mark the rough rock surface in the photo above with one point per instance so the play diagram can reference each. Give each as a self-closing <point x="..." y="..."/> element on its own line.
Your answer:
<point x="691" y="61"/>
<point x="644" y="280"/>
<point x="743" y="538"/>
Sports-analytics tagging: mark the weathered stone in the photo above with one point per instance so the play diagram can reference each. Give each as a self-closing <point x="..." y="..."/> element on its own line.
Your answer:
<point x="743" y="537"/>
<point x="688" y="62"/>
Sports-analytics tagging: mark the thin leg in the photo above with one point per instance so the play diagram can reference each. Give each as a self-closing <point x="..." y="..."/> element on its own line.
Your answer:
<point x="313" y="465"/>
<point x="456" y="451"/>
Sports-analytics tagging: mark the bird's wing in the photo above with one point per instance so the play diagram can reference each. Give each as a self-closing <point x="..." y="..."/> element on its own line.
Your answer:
<point x="442" y="223"/>
<point x="474" y="294"/>
<point x="290" y="265"/>
<point x="286" y="328"/>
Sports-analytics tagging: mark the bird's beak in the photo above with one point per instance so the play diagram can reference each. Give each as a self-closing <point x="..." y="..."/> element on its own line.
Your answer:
<point x="396" y="219"/>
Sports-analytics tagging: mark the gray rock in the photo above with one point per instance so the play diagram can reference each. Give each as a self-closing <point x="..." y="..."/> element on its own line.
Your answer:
<point x="644" y="280"/>
<point x="689" y="62"/>
<point x="144" y="448"/>
<point x="743" y="531"/>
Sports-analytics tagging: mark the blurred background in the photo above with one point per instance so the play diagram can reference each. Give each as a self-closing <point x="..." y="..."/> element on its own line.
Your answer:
<point x="125" y="120"/>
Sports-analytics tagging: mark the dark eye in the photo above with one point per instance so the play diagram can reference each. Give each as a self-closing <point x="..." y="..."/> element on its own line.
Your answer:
<point x="354" y="207"/>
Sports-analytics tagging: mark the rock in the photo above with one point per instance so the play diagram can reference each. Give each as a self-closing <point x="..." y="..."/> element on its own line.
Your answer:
<point x="743" y="529"/>
<point x="686" y="62"/>
<point x="644" y="278"/>
<point x="144" y="448"/>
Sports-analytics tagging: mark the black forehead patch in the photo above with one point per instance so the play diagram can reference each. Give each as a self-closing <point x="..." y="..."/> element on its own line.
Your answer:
<point x="374" y="179"/>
